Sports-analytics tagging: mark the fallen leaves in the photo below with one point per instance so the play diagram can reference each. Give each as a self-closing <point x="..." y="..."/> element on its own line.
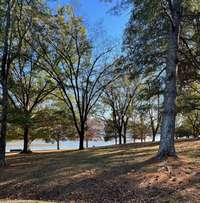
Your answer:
<point x="107" y="175"/>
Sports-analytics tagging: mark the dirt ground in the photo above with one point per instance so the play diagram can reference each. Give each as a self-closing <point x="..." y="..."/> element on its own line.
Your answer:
<point x="111" y="174"/>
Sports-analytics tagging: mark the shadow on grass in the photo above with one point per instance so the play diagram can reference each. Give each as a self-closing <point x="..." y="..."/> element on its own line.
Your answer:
<point x="99" y="175"/>
<point x="54" y="182"/>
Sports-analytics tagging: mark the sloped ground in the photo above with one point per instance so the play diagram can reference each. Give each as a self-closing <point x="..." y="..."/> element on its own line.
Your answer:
<point x="112" y="174"/>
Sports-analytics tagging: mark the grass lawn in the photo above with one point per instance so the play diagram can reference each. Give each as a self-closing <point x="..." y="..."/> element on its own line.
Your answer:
<point x="111" y="174"/>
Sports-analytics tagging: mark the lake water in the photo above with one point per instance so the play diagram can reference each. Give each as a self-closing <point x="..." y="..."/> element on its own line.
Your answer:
<point x="42" y="145"/>
<point x="38" y="145"/>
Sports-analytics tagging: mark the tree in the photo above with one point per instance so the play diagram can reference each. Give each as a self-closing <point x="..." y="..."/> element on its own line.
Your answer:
<point x="80" y="75"/>
<point x="53" y="124"/>
<point x="13" y="15"/>
<point x="183" y="131"/>
<point x="110" y="131"/>
<point x="169" y="27"/>
<point x="119" y="98"/>
<point x="163" y="20"/>
<point x="167" y="148"/>
<point x="50" y="122"/>
<point x="28" y="88"/>
<point x="188" y="106"/>
<point x="139" y="128"/>
<point x="5" y="66"/>
<point x="194" y="123"/>
<point x="93" y="130"/>
<point x="150" y="105"/>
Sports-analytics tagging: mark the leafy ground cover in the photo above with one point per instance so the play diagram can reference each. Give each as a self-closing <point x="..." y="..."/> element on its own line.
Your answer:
<point x="112" y="174"/>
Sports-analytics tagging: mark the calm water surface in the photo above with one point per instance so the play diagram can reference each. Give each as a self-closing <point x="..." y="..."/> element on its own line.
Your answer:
<point x="42" y="145"/>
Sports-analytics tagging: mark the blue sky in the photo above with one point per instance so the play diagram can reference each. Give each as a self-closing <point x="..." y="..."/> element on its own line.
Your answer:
<point x="96" y="15"/>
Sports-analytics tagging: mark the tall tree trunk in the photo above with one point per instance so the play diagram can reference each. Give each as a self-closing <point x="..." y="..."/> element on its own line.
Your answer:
<point x="3" y="124"/>
<point x="124" y="139"/>
<point x="116" y="139"/>
<point x="124" y="136"/>
<point x="155" y="132"/>
<point x="26" y="140"/>
<point x="81" y="142"/>
<point x="86" y="141"/>
<point x="81" y="139"/>
<point x="58" y="142"/>
<point x="120" y="134"/>
<point x="153" y="129"/>
<point x="4" y="79"/>
<point x="154" y="137"/>
<point x="167" y="147"/>
<point x="120" y="138"/>
<point x="125" y="128"/>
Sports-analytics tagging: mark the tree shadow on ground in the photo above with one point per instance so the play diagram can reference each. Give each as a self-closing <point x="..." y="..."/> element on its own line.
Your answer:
<point x="101" y="175"/>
